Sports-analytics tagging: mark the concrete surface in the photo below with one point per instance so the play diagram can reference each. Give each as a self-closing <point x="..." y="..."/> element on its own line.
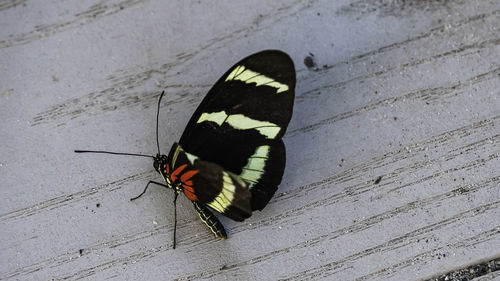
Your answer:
<point x="406" y="92"/>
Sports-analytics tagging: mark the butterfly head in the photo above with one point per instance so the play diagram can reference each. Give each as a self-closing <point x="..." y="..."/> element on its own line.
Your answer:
<point x="161" y="165"/>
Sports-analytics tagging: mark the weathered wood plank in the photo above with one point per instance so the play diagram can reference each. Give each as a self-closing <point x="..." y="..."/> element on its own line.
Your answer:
<point x="392" y="151"/>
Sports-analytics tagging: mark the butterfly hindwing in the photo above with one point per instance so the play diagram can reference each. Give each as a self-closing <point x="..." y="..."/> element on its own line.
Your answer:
<point x="208" y="184"/>
<point x="240" y="123"/>
<point x="263" y="172"/>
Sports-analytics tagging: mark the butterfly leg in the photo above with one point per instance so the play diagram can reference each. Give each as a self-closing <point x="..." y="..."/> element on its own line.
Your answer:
<point x="211" y="221"/>
<point x="155" y="182"/>
<point x="175" y="215"/>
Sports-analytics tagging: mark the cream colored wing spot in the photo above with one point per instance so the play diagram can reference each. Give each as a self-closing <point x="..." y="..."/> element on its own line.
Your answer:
<point x="191" y="157"/>
<point x="265" y="128"/>
<point x="236" y="71"/>
<point x="255" y="167"/>
<point x="226" y="196"/>
<point x="217" y="117"/>
<point x="176" y="154"/>
<point x="248" y="76"/>
<point x="242" y="122"/>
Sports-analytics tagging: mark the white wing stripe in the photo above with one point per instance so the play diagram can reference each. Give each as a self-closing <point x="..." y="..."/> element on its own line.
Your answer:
<point x="242" y="122"/>
<point x="248" y="76"/>
<point x="226" y="196"/>
<point x="255" y="167"/>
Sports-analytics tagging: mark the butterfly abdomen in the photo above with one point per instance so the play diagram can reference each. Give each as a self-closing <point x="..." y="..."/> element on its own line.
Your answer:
<point x="210" y="220"/>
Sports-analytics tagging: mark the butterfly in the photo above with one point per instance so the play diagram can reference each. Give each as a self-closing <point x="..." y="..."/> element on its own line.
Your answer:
<point x="231" y="156"/>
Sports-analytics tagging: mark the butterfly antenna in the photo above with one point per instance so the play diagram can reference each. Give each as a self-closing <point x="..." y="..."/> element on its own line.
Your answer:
<point x="110" y="152"/>
<point x="175" y="216"/>
<point x="157" y="122"/>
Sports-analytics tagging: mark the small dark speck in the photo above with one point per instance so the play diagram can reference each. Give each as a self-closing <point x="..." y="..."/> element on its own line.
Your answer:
<point x="224" y="267"/>
<point x="342" y="160"/>
<point x="81" y="252"/>
<point x="309" y="61"/>
<point x="98" y="205"/>
<point x="121" y="8"/>
<point x="318" y="14"/>
<point x="395" y="118"/>
<point x="377" y="181"/>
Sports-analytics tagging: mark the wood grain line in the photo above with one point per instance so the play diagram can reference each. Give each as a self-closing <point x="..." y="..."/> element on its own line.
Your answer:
<point x="109" y="99"/>
<point x="410" y="150"/>
<point x="423" y="95"/>
<point x="72" y="256"/>
<point x="395" y="8"/>
<point x="434" y="31"/>
<point x="427" y="257"/>
<point x="483" y="268"/>
<point x="113" y="97"/>
<point x="93" y="13"/>
<point x="325" y="269"/>
<point x="131" y="81"/>
<point x="399" y="242"/>
<point x="7" y="4"/>
<point x="63" y="200"/>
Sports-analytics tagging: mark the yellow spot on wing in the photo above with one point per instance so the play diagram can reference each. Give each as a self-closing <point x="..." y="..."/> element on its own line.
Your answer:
<point x="248" y="76"/>
<point x="191" y="157"/>
<point x="255" y="167"/>
<point x="226" y="196"/>
<point x="176" y="153"/>
<point x="242" y="122"/>
<point x="236" y="71"/>
<point x="261" y="80"/>
<point x="217" y="117"/>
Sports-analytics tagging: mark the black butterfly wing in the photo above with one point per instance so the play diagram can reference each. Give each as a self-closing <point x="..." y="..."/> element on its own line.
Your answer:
<point x="240" y="122"/>
<point x="208" y="184"/>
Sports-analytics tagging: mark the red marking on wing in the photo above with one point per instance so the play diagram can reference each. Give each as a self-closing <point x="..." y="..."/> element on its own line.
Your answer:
<point x="189" y="174"/>
<point x="188" y="188"/>
<point x="190" y="194"/>
<point x="177" y="171"/>
<point x="168" y="169"/>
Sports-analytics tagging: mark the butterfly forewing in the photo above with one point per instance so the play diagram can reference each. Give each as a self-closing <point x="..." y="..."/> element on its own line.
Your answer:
<point x="240" y="123"/>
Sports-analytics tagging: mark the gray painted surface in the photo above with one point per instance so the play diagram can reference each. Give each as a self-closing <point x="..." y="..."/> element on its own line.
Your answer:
<point x="405" y="90"/>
